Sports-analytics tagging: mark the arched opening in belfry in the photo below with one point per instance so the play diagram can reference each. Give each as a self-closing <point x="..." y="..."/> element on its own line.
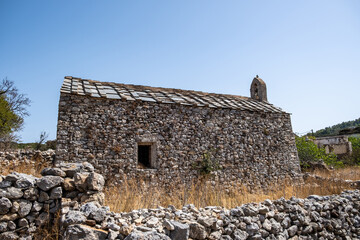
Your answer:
<point x="256" y="91"/>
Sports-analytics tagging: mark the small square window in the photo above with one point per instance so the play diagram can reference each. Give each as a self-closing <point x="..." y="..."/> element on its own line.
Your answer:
<point x="146" y="155"/>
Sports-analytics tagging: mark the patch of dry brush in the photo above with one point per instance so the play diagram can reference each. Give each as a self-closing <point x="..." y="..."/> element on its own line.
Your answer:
<point x="132" y="195"/>
<point x="32" y="167"/>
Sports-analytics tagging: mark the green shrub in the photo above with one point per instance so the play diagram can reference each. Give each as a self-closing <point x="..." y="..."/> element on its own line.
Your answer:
<point x="354" y="158"/>
<point x="355" y="142"/>
<point x="208" y="163"/>
<point x="308" y="152"/>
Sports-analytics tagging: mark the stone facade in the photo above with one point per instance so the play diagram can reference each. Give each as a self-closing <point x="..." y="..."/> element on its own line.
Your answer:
<point x="252" y="140"/>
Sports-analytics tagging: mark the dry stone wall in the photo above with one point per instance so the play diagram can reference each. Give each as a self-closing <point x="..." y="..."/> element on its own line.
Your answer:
<point x="20" y="157"/>
<point x="75" y="191"/>
<point x="316" y="217"/>
<point x="28" y="202"/>
<point x="253" y="148"/>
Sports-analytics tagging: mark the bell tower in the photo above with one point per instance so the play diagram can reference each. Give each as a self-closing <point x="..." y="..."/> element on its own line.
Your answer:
<point x="258" y="89"/>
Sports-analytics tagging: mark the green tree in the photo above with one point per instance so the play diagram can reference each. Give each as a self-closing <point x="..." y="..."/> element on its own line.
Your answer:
<point x="308" y="152"/>
<point x="9" y="121"/>
<point x="12" y="110"/>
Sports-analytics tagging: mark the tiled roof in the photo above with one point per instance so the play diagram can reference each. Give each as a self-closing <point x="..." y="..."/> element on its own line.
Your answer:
<point x="129" y="92"/>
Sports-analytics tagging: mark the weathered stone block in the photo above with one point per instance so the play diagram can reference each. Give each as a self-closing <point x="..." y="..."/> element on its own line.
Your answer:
<point x="56" y="193"/>
<point x="83" y="232"/>
<point x="197" y="231"/>
<point x="11" y="193"/>
<point x="24" y="208"/>
<point x="48" y="182"/>
<point x="80" y="180"/>
<point x="181" y="231"/>
<point x="53" y="172"/>
<point x="5" y="205"/>
<point x="151" y="235"/>
<point x="95" y="182"/>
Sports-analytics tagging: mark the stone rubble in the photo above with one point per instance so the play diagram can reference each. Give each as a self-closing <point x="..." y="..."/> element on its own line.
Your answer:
<point x="24" y="207"/>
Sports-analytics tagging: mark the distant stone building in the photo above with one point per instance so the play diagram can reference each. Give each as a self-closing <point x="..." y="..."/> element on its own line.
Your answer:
<point x="338" y="145"/>
<point x="163" y="133"/>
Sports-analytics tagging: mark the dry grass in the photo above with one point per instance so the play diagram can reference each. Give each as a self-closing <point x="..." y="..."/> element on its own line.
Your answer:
<point x="347" y="173"/>
<point x="50" y="230"/>
<point x="32" y="167"/>
<point x="131" y="195"/>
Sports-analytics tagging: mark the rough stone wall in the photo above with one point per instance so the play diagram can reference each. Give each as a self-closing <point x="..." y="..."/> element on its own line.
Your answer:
<point x="28" y="202"/>
<point x="23" y="156"/>
<point x="254" y="148"/>
<point x="75" y="191"/>
<point x="315" y="217"/>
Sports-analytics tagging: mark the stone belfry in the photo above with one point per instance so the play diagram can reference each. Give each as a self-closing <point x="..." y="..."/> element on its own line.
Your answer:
<point x="258" y="89"/>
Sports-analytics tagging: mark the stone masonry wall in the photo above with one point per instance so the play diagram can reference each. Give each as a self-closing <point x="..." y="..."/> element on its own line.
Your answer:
<point x="28" y="202"/>
<point x="253" y="148"/>
<point x="25" y="156"/>
<point x="315" y="217"/>
<point x="75" y="191"/>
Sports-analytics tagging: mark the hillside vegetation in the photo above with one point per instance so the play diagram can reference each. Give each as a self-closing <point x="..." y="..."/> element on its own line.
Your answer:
<point x="348" y="127"/>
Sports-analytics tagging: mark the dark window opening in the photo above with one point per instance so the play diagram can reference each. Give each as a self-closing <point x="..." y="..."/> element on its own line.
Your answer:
<point x="144" y="156"/>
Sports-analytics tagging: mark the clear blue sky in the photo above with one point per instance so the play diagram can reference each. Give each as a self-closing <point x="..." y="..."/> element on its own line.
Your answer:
<point x="307" y="52"/>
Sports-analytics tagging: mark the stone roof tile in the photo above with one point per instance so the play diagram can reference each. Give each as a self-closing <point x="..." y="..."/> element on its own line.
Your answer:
<point x="130" y="92"/>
